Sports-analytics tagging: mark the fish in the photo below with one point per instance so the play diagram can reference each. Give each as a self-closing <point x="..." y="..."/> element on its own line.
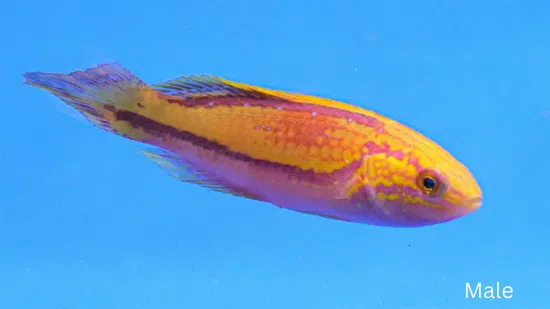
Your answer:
<point x="299" y="152"/>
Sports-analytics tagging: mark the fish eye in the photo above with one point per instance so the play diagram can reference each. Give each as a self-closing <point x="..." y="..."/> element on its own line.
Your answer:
<point x="429" y="183"/>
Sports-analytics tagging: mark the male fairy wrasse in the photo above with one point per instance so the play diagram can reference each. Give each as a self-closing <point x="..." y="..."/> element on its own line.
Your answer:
<point x="298" y="152"/>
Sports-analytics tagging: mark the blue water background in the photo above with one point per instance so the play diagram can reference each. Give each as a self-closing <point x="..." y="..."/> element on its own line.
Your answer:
<point x="87" y="222"/>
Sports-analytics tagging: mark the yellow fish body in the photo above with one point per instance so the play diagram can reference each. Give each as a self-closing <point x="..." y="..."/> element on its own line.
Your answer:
<point x="298" y="152"/>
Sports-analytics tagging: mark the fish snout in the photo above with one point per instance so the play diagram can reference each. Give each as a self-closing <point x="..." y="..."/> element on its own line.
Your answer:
<point x="474" y="203"/>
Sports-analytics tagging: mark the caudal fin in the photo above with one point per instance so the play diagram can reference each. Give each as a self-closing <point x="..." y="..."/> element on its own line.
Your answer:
<point x="94" y="92"/>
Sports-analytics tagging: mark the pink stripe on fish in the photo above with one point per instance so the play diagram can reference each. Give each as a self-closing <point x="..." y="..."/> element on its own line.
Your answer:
<point x="279" y="104"/>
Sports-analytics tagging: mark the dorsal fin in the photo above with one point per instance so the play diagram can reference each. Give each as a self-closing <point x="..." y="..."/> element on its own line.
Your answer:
<point x="183" y="171"/>
<point x="200" y="86"/>
<point x="195" y="87"/>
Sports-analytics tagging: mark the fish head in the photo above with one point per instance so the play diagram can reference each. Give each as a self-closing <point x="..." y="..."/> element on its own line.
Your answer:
<point x="415" y="182"/>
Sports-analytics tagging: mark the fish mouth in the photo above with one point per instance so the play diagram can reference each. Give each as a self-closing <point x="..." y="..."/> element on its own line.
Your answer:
<point x="475" y="203"/>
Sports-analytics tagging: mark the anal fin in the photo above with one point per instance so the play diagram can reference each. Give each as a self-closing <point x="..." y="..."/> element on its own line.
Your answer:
<point x="185" y="172"/>
<point x="333" y="217"/>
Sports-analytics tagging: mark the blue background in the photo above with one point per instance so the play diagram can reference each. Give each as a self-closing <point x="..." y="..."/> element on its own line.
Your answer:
<point x="86" y="222"/>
